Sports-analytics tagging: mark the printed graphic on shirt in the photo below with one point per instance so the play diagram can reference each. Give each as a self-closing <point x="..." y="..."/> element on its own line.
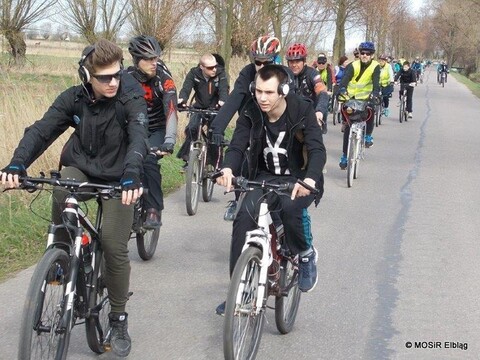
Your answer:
<point x="275" y="153"/>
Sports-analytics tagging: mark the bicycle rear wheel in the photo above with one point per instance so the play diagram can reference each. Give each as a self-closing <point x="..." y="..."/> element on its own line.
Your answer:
<point x="42" y="336"/>
<point x="351" y="160"/>
<point x="97" y="324"/>
<point x="335" y="114"/>
<point x="207" y="184"/>
<point x="192" y="188"/>
<point x="243" y="325"/>
<point x="402" y="110"/>
<point x="286" y="306"/>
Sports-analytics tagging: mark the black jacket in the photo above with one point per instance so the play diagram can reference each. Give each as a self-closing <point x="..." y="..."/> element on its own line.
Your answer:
<point x="100" y="145"/>
<point x="305" y="83"/>
<point x="406" y="77"/>
<point x="207" y="92"/>
<point x="302" y="131"/>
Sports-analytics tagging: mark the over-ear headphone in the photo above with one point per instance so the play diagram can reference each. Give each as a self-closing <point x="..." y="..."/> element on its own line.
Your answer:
<point x="83" y="72"/>
<point x="283" y="88"/>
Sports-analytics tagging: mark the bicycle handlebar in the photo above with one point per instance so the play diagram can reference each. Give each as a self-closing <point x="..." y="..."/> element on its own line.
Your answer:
<point x="192" y="109"/>
<point x="33" y="183"/>
<point x="244" y="184"/>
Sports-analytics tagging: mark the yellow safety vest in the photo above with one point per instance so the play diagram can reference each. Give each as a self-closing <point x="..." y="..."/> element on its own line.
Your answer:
<point x="362" y="88"/>
<point x="384" y="76"/>
<point x="324" y="74"/>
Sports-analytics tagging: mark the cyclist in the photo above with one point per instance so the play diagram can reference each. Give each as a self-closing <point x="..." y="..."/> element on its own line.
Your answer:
<point x="442" y="67"/>
<point x="263" y="51"/>
<point x="407" y="76"/>
<point x="326" y="72"/>
<point x="161" y="97"/>
<point x="417" y="67"/>
<point x="356" y="54"/>
<point x="276" y="126"/>
<point x="386" y="82"/>
<point x="101" y="149"/>
<point x="211" y="90"/>
<point x="307" y="81"/>
<point x="360" y="81"/>
<point x="340" y="69"/>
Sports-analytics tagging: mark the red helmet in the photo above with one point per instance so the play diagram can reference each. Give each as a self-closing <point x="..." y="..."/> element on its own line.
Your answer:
<point x="296" y="52"/>
<point x="265" y="48"/>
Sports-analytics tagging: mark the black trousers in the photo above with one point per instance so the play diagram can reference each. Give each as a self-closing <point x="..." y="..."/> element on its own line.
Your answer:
<point x="152" y="178"/>
<point x="409" y="96"/>
<point x="294" y="216"/>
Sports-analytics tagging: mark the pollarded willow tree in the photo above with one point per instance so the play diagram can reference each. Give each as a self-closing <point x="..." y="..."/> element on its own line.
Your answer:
<point x="15" y="17"/>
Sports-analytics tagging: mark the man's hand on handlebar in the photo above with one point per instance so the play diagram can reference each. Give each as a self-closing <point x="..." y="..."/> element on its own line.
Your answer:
<point x="226" y="179"/>
<point x="300" y="191"/>
<point x="9" y="176"/>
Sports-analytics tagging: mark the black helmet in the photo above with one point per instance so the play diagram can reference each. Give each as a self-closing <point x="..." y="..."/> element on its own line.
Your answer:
<point x="144" y="47"/>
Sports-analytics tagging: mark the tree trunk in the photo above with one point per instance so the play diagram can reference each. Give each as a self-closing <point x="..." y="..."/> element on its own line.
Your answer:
<point x="339" y="40"/>
<point x="18" y="47"/>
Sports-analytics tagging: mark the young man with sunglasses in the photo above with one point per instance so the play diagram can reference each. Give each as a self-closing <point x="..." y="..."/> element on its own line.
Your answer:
<point x="328" y="77"/>
<point x="361" y="81"/>
<point x="161" y="96"/>
<point x="210" y="85"/>
<point x="101" y="149"/>
<point x="263" y="51"/>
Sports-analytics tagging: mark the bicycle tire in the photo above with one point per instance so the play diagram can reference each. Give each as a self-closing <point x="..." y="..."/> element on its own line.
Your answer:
<point x="192" y="188"/>
<point x="443" y="81"/>
<point x="351" y="161"/>
<point x="400" y="114"/>
<point x="358" y="149"/>
<point x="286" y="307"/>
<point x="147" y="241"/>
<point x="241" y="317"/>
<point x="207" y="184"/>
<point x="44" y="309"/>
<point x="97" y="323"/>
<point x="334" y="112"/>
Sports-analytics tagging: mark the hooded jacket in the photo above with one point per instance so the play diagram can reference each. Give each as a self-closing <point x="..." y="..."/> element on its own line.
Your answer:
<point x="303" y="131"/>
<point x="100" y="146"/>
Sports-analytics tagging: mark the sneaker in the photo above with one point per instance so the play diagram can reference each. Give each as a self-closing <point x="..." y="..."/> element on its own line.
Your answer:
<point x="410" y="115"/>
<point x="231" y="210"/>
<point x="220" y="310"/>
<point x="307" y="271"/>
<point x="343" y="162"/>
<point x="153" y="220"/>
<point x="368" y="141"/>
<point x="184" y="167"/>
<point x="118" y="336"/>
<point x="386" y="112"/>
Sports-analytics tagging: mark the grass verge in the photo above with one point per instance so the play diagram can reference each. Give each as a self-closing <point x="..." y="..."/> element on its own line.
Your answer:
<point x="473" y="86"/>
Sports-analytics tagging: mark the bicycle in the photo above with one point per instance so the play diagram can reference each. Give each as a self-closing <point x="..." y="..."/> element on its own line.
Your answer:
<point x="68" y="283"/>
<point x="265" y="268"/>
<point x="356" y="113"/>
<point x="443" y="78"/>
<point x="403" y="113"/>
<point x="199" y="167"/>
<point x="336" y="110"/>
<point x="379" y="112"/>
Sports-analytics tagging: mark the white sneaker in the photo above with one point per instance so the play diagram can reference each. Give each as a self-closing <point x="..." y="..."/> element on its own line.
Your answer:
<point x="410" y="115"/>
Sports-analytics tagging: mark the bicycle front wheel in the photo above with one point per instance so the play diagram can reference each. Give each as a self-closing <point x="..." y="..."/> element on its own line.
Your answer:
<point x="286" y="305"/>
<point x="351" y="160"/>
<point x="97" y="324"/>
<point x="358" y="156"/>
<point x="401" y="111"/>
<point x="207" y="184"/>
<point x="243" y="323"/>
<point x="192" y="188"/>
<point x="42" y="334"/>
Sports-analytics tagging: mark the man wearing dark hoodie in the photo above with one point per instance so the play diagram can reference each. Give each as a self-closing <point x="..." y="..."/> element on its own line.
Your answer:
<point x="210" y="84"/>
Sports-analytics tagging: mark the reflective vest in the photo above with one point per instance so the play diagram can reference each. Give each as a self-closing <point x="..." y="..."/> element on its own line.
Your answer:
<point x="384" y="76"/>
<point x="362" y="88"/>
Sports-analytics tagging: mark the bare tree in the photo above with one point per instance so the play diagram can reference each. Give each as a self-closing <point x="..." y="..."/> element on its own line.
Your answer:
<point x="93" y="19"/>
<point x="159" y="18"/>
<point x="15" y="16"/>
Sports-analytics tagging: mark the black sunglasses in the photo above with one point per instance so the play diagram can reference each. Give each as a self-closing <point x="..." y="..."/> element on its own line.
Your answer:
<point x="366" y="53"/>
<point x="210" y="67"/>
<point x="107" y="78"/>
<point x="260" y="63"/>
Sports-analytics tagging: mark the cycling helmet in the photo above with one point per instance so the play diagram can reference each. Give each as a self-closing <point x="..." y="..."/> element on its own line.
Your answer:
<point x="265" y="48"/>
<point x="296" y="52"/>
<point x="144" y="47"/>
<point x="367" y="46"/>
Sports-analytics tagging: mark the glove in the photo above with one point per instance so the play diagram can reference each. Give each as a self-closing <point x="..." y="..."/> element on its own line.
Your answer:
<point x="130" y="181"/>
<point x="166" y="147"/>
<point x="15" y="168"/>
<point x="217" y="139"/>
<point x="375" y="99"/>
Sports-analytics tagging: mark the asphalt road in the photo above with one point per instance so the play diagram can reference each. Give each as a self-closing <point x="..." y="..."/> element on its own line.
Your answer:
<point x="398" y="255"/>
